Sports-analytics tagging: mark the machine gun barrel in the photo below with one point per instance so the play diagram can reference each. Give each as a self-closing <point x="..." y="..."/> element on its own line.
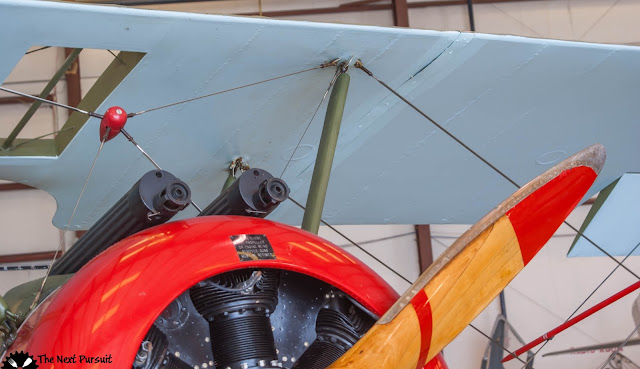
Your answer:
<point x="255" y="193"/>
<point x="153" y="200"/>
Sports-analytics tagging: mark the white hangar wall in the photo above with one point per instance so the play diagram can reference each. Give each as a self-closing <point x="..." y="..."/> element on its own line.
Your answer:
<point x="541" y="297"/>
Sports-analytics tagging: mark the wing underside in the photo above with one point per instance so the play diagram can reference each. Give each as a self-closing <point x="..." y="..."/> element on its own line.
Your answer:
<point x="523" y="104"/>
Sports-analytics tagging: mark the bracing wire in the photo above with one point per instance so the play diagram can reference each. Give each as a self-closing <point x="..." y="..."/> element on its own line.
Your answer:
<point x="333" y="81"/>
<point x="155" y="164"/>
<point x="66" y="228"/>
<point x="393" y="270"/>
<point x="42" y="136"/>
<point x="36" y="50"/>
<point x="92" y="114"/>
<point x="321" y="66"/>
<point x="130" y="138"/>
<point x="89" y="113"/>
<point x="359" y="65"/>
<point x="494" y="341"/>
<point x="614" y="352"/>
<point x="116" y="56"/>
<point x="342" y="234"/>
<point x="586" y="299"/>
<point x="619" y="264"/>
<point x="356" y="244"/>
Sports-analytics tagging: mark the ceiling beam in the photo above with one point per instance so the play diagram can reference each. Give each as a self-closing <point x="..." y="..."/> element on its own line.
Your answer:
<point x="34" y="256"/>
<point x="400" y="13"/>
<point x="360" y="8"/>
<point x="360" y="2"/>
<point x="425" y="250"/>
<point x="72" y="76"/>
<point x="315" y="11"/>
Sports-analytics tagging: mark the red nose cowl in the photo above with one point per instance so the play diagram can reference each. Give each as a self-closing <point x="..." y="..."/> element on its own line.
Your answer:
<point x="115" y="118"/>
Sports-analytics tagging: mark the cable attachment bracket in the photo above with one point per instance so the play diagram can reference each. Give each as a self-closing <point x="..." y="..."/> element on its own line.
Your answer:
<point x="240" y="164"/>
<point x="344" y="66"/>
<point x="330" y="63"/>
<point x="358" y="64"/>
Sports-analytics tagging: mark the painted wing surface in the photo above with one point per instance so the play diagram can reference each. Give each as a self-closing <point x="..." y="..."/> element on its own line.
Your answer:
<point x="473" y="271"/>
<point x="524" y="104"/>
<point x="613" y="220"/>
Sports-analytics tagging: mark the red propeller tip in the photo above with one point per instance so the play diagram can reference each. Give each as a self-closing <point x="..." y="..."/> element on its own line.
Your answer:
<point x="114" y="118"/>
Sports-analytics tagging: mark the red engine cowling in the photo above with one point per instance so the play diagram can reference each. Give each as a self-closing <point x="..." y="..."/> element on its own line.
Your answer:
<point x="105" y="310"/>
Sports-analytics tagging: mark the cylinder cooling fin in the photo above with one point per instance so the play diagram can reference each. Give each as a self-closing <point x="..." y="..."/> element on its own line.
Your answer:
<point x="153" y="353"/>
<point x="255" y="319"/>
<point x="238" y="306"/>
<point x="339" y="325"/>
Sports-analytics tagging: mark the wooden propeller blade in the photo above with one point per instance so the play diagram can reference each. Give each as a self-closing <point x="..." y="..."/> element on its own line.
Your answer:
<point x="473" y="271"/>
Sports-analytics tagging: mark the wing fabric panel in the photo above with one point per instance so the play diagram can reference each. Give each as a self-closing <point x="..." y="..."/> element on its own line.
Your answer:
<point x="523" y="104"/>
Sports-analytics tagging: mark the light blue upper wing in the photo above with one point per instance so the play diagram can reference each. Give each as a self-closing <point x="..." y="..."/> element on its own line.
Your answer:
<point x="523" y="104"/>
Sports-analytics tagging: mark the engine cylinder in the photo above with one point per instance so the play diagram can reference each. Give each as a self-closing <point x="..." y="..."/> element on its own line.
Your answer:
<point x="158" y="357"/>
<point x="338" y="327"/>
<point x="237" y="306"/>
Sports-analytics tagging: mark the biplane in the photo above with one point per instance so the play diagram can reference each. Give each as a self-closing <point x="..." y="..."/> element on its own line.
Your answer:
<point x="219" y="286"/>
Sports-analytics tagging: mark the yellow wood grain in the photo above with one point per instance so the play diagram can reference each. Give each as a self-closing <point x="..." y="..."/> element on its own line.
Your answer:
<point x="457" y="294"/>
<point x="471" y="281"/>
